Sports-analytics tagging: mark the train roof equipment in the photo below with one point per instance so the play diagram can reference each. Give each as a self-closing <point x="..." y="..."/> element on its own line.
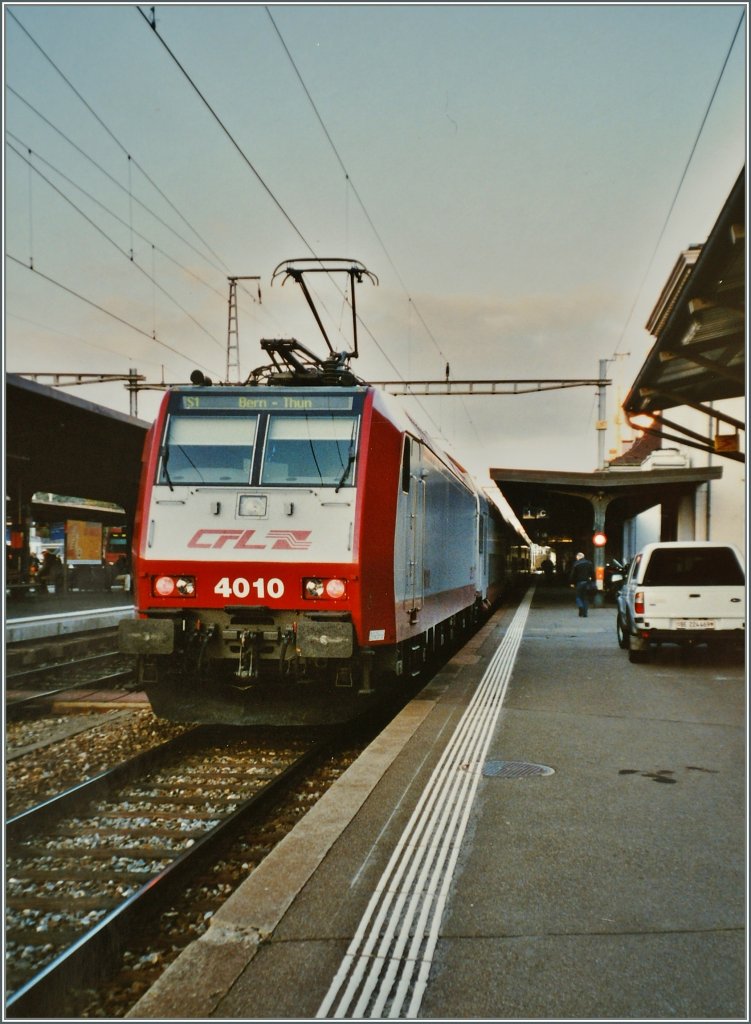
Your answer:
<point x="294" y="365"/>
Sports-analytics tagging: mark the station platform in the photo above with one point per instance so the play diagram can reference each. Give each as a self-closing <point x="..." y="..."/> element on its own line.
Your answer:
<point x="546" y="832"/>
<point x="38" y="614"/>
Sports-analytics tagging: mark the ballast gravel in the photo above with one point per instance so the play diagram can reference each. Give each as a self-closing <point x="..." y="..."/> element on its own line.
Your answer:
<point x="45" y="772"/>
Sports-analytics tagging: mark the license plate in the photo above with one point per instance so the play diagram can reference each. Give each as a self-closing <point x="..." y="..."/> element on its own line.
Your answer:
<point x="695" y="623"/>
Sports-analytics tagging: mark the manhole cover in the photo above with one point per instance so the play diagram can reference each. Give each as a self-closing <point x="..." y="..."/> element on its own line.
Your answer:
<point x="514" y="769"/>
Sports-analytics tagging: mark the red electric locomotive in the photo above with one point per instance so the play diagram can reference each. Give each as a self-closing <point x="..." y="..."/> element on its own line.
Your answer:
<point x="298" y="542"/>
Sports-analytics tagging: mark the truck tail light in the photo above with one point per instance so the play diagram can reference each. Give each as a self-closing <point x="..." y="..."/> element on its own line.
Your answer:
<point x="639" y="602"/>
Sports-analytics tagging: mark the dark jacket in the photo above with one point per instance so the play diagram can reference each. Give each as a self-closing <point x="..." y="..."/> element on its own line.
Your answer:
<point x="581" y="571"/>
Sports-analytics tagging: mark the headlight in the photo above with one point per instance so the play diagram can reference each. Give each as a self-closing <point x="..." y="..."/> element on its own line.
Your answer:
<point x="173" y="586"/>
<point x="313" y="589"/>
<point x="252" y="505"/>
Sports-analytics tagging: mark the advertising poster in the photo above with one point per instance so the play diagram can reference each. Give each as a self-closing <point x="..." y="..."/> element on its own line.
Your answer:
<point x="84" y="543"/>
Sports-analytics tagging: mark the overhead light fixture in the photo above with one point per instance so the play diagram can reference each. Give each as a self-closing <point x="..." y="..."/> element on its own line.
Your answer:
<point x="642" y="421"/>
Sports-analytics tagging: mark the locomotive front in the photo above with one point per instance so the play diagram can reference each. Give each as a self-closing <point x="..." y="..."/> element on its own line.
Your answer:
<point x="245" y="550"/>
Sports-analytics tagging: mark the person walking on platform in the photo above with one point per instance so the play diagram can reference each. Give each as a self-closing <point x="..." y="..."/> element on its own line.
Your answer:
<point x="51" y="571"/>
<point x="582" y="571"/>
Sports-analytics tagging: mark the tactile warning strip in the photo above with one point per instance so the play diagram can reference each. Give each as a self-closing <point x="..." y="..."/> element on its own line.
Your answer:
<point x="384" y="973"/>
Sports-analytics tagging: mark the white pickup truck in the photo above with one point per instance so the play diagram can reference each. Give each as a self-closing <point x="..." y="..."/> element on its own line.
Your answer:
<point x="682" y="592"/>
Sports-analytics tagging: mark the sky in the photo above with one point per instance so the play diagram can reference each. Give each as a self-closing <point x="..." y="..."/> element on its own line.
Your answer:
<point x="521" y="180"/>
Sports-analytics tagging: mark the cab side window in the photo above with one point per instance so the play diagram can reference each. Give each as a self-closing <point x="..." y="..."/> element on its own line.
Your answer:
<point x="405" y="465"/>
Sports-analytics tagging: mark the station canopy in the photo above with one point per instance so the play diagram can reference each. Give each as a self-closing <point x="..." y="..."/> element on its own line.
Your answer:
<point x="699" y="324"/>
<point x="57" y="443"/>
<point x="560" y="508"/>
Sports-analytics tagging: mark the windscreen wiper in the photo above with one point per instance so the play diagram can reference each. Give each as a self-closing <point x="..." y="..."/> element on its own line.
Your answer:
<point x="165" y="460"/>
<point x="344" y="475"/>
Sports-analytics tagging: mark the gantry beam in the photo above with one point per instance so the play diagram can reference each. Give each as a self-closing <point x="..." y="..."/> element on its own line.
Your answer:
<point x="484" y="387"/>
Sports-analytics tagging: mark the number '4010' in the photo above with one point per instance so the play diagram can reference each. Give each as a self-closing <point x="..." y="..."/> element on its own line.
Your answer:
<point x="240" y="587"/>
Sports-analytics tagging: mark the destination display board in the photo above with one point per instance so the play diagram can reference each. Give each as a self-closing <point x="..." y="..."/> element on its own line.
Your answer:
<point x="267" y="403"/>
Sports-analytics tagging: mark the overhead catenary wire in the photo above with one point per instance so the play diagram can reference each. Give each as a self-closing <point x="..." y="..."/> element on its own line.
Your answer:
<point x="115" y="216"/>
<point x="112" y="178"/>
<point x="114" y="138"/>
<point x="102" y="309"/>
<point x="398" y="355"/>
<point x="351" y="184"/>
<point x="131" y="196"/>
<point x="123" y="252"/>
<point x="74" y="337"/>
<point x="152" y="25"/>
<point x="413" y="305"/>
<point x="250" y="165"/>
<point x="228" y="133"/>
<point x="130" y="157"/>
<point x="679" y="186"/>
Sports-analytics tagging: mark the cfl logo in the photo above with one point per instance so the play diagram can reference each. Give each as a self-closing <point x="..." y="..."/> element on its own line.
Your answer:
<point x="290" y="540"/>
<point x="240" y="540"/>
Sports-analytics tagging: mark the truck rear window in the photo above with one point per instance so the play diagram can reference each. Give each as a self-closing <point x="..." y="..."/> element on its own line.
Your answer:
<point x="692" y="567"/>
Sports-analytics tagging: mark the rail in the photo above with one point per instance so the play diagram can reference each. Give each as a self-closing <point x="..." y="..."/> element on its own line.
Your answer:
<point x="86" y="958"/>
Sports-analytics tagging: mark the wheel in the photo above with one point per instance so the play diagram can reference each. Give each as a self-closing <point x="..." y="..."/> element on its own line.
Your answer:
<point x="622" y="638"/>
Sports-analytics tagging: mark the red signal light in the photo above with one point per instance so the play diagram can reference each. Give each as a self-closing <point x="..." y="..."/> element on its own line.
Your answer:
<point x="335" y="588"/>
<point x="164" y="586"/>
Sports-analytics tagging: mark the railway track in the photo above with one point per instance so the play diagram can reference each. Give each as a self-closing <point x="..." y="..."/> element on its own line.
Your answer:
<point x="90" y="872"/>
<point x="43" y="672"/>
<point x="88" y="869"/>
<point x="39" y="701"/>
<point x="55" y="652"/>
